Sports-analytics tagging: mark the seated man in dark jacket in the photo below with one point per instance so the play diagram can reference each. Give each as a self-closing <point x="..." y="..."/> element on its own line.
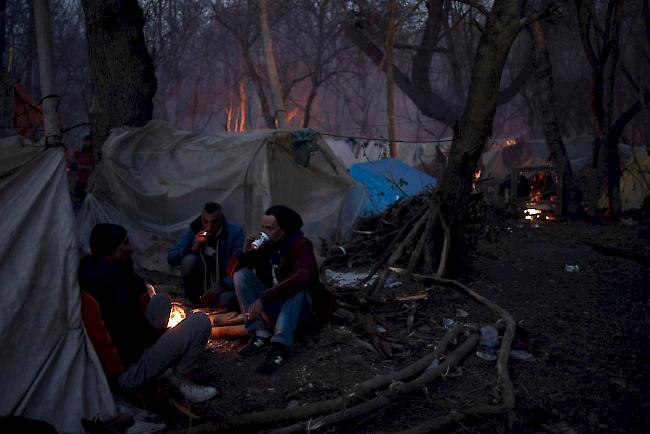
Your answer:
<point x="203" y="253"/>
<point x="144" y="345"/>
<point x="275" y="283"/>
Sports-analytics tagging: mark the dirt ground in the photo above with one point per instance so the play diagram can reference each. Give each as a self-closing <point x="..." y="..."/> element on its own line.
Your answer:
<point x="587" y="331"/>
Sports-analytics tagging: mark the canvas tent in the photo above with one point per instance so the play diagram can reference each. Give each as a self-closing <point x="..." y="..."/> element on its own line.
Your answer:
<point x="155" y="179"/>
<point x="50" y="371"/>
<point x="388" y="181"/>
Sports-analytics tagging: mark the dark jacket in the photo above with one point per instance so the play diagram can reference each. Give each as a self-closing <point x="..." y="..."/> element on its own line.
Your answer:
<point x="297" y="271"/>
<point x="229" y="240"/>
<point x="117" y="290"/>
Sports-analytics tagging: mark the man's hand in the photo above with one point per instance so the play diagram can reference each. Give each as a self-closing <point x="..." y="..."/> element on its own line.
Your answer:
<point x="211" y="297"/>
<point x="200" y="239"/>
<point x="255" y="310"/>
<point x="249" y="240"/>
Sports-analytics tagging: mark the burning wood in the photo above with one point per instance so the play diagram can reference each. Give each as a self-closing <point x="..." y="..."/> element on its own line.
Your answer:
<point x="176" y="315"/>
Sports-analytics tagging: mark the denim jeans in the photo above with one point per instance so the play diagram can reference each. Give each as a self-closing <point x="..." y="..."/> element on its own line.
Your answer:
<point x="177" y="348"/>
<point x="195" y="282"/>
<point x="286" y="314"/>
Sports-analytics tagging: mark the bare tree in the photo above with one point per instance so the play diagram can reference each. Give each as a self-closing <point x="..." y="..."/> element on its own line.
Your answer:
<point x="601" y="43"/>
<point x="121" y="69"/>
<point x="503" y="23"/>
<point x="557" y="151"/>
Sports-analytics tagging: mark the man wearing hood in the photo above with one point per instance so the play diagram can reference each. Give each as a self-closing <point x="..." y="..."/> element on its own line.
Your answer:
<point x="145" y="347"/>
<point x="203" y="253"/>
<point x="275" y="282"/>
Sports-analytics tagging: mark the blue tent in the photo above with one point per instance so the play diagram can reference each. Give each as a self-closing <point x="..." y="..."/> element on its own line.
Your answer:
<point x="388" y="181"/>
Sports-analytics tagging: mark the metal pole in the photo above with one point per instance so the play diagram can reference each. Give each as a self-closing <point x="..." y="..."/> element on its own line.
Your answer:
<point x="46" y="71"/>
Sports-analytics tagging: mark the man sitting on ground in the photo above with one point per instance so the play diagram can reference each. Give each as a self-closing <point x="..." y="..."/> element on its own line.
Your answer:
<point x="275" y="285"/>
<point x="146" y="348"/>
<point x="203" y="252"/>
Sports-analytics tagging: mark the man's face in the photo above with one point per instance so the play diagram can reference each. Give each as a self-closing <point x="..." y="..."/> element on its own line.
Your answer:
<point x="123" y="252"/>
<point x="270" y="226"/>
<point x="211" y="223"/>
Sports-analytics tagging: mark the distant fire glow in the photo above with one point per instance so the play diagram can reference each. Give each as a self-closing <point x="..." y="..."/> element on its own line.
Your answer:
<point x="532" y="213"/>
<point x="176" y="316"/>
<point x="511" y="142"/>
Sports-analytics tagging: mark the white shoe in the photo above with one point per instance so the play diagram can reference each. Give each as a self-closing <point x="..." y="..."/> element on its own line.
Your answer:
<point x="192" y="392"/>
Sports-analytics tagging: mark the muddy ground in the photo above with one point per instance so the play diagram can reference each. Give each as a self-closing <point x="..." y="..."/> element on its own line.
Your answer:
<point x="587" y="331"/>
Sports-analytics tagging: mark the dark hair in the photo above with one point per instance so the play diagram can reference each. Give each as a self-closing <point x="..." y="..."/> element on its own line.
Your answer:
<point x="212" y="207"/>
<point x="88" y="138"/>
<point x="105" y="237"/>
<point x="288" y="220"/>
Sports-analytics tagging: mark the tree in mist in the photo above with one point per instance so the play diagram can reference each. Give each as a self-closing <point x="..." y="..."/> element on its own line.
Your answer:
<point x="601" y="24"/>
<point x="121" y="69"/>
<point x="571" y="194"/>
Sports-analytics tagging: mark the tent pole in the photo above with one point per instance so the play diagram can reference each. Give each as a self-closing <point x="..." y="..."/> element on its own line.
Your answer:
<point x="50" y="98"/>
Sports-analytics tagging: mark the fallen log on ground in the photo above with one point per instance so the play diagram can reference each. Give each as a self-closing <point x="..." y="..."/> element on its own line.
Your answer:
<point x="261" y="419"/>
<point x="383" y="399"/>
<point x="503" y="386"/>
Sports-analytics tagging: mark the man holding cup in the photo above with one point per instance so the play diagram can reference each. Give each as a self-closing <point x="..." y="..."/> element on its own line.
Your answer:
<point x="276" y="279"/>
<point x="203" y="253"/>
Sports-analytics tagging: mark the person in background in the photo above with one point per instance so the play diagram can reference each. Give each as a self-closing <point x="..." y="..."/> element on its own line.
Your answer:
<point x="146" y="348"/>
<point x="203" y="253"/>
<point x="276" y="280"/>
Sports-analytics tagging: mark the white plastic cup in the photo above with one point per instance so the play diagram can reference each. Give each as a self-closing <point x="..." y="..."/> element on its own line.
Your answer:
<point x="261" y="239"/>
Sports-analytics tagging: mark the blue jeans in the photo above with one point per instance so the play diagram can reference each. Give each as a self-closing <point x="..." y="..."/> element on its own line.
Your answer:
<point x="287" y="314"/>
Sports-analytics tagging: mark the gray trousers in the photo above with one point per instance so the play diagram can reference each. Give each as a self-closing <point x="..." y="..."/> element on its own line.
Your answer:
<point x="177" y="348"/>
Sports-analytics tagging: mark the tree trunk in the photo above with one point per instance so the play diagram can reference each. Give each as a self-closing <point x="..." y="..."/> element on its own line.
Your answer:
<point x="271" y="67"/>
<point x="571" y="195"/>
<point x="122" y="71"/>
<point x="475" y="126"/>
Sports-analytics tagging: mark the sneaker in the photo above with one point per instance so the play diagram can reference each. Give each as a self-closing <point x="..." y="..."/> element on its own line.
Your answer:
<point x="275" y="358"/>
<point x="192" y="392"/>
<point x="256" y="345"/>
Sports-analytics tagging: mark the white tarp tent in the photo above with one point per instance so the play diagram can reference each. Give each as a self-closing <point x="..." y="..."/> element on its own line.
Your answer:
<point x="155" y="179"/>
<point x="50" y="371"/>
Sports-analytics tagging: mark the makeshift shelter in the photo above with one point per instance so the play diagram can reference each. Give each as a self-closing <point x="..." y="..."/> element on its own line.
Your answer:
<point x="388" y="181"/>
<point x="50" y="371"/>
<point x="154" y="181"/>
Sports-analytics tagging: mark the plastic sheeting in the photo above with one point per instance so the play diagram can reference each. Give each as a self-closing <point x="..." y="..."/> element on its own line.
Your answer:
<point x="50" y="371"/>
<point x="388" y="181"/>
<point x="154" y="181"/>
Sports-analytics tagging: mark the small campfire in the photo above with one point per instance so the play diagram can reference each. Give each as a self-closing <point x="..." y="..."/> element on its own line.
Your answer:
<point x="537" y="192"/>
<point x="177" y="314"/>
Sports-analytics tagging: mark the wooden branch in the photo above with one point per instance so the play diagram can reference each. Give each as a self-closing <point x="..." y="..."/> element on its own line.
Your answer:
<point x="476" y="5"/>
<point x="444" y="253"/>
<point x="396" y="390"/>
<point x="260" y="419"/>
<point x="415" y="256"/>
<point x="397" y="253"/>
<point x="504" y="385"/>
<point x="619" y="253"/>
<point x="390" y="248"/>
<point x="369" y="325"/>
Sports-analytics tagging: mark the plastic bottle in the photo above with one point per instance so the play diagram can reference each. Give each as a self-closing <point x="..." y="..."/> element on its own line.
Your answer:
<point x="488" y="343"/>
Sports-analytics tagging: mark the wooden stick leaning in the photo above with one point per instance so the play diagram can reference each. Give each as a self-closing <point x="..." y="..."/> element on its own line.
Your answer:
<point x="260" y="419"/>
<point x="390" y="248"/>
<point x="397" y="253"/>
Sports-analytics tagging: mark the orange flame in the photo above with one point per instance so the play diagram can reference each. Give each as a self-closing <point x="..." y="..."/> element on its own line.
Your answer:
<point x="239" y="112"/>
<point x="176" y="316"/>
